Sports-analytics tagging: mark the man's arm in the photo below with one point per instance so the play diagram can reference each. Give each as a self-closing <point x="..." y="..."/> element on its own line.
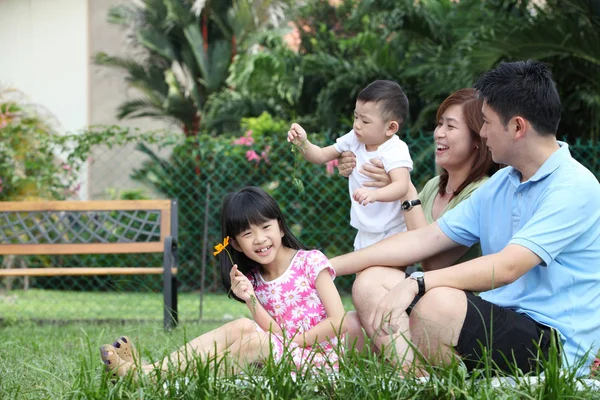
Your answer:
<point x="404" y="248"/>
<point x="486" y="272"/>
<point x="480" y="274"/>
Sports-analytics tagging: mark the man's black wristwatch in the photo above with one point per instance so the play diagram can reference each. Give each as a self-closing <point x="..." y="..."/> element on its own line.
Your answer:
<point x="408" y="204"/>
<point x="420" y="278"/>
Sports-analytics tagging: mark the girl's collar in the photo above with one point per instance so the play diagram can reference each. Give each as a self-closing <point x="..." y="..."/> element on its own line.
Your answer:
<point x="285" y="272"/>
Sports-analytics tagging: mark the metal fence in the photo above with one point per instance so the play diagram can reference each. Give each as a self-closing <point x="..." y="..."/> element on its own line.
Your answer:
<point x="199" y="174"/>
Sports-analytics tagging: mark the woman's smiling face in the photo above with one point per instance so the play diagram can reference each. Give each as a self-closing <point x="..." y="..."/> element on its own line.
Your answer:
<point x="454" y="144"/>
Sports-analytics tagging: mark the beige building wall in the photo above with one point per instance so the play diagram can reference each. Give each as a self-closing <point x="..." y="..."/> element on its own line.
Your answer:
<point x="46" y="51"/>
<point x="110" y="170"/>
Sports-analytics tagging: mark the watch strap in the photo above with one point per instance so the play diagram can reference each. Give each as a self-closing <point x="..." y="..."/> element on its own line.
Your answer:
<point x="420" y="278"/>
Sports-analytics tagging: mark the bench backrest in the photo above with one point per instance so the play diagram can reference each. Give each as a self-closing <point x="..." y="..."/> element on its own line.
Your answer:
<point x="86" y="227"/>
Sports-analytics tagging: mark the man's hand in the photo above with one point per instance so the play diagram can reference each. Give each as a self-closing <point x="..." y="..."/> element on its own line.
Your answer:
<point x="389" y="311"/>
<point x="297" y="135"/>
<point x="365" y="196"/>
<point x="240" y="284"/>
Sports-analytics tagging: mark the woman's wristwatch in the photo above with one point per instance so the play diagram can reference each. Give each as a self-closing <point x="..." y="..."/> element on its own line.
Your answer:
<point x="409" y="204"/>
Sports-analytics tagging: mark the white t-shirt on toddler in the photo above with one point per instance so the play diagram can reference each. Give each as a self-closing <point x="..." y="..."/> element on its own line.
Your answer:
<point x="378" y="217"/>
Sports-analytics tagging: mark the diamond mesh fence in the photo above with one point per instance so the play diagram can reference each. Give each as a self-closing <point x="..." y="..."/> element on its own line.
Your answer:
<point x="199" y="172"/>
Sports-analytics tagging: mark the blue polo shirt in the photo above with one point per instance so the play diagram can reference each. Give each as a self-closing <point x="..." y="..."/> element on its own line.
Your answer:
<point x="556" y="215"/>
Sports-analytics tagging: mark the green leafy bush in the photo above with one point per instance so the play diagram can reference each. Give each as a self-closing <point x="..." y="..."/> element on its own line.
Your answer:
<point x="29" y="165"/>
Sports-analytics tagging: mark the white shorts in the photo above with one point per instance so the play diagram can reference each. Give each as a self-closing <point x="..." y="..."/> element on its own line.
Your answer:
<point x="365" y="239"/>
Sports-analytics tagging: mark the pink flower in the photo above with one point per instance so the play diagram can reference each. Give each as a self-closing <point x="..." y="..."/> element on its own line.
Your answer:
<point x="265" y="154"/>
<point x="595" y="365"/>
<point x="5" y="118"/>
<point x="252" y="156"/>
<point x="246" y="140"/>
<point x="66" y="167"/>
<point x="331" y="166"/>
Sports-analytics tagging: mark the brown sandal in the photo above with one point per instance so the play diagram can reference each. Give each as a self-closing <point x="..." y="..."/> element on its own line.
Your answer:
<point x="126" y="350"/>
<point x="115" y="364"/>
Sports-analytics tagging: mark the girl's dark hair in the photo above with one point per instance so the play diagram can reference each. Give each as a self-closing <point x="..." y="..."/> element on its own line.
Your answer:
<point x="250" y="205"/>
<point x="483" y="165"/>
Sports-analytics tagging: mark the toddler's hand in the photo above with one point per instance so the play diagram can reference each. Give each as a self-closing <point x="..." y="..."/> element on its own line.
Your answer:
<point x="240" y="284"/>
<point x="297" y="135"/>
<point x="365" y="196"/>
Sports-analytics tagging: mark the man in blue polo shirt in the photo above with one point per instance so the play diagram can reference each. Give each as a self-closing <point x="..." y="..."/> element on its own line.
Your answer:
<point x="538" y="222"/>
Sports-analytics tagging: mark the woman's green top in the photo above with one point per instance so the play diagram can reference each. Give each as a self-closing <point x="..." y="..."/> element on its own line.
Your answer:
<point x="427" y="196"/>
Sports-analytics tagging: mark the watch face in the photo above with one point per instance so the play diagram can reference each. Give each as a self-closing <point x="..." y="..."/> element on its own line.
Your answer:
<point x="405" y="205"/>
<point x="418" y="274"/>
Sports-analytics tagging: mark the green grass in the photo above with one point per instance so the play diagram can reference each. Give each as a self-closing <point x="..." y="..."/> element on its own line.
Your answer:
<point x="52" y="361"/>
<point x="62" y="305"/>
<point x="56" y="362"/>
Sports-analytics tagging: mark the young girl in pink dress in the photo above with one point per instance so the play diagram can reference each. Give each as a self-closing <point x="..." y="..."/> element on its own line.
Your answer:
<point x="297" y="312"/>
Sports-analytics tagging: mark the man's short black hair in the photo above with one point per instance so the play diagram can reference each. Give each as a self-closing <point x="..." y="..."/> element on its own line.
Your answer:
<point x="390" y="98"/>
<point x="523" y="88"/>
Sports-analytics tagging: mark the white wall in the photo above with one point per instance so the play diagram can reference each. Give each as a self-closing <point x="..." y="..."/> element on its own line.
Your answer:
<point x="44" y="53"/>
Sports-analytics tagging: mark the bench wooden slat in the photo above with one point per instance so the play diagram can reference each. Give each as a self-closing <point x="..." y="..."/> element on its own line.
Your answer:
<point x="165" y="224"/>
<point x="91" y="205"/>
<point x="83" y="271"/>
<point x="80" y="248"/>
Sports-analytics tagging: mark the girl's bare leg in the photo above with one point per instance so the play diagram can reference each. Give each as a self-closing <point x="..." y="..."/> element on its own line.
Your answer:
<point x="207" y="345"/>
<point x="246" y="350"/>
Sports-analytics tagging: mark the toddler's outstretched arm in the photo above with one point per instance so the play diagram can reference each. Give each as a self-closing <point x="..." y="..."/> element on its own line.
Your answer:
<point x="313" y="153"/>
<point x="396" y="190"/>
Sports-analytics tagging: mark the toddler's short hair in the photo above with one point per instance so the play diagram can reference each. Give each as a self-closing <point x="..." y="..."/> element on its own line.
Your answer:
<point x="390" y="98"/>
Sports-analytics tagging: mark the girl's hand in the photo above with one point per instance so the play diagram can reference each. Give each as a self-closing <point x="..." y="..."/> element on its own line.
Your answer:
<point x="375" y="171"/>
<point x="346" y="163"/>
<point x="240" y="284"/>
<point x="300" y="340"/>
<point x="297" y="135"/>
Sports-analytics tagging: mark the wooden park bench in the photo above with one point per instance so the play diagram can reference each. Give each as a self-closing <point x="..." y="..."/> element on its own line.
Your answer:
<point x="94" y="227"/>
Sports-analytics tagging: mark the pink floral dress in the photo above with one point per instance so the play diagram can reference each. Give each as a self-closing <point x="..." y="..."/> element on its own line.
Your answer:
<point x="292" y="300"/>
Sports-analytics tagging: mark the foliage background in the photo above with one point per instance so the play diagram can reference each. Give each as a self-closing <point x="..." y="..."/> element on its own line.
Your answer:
<point x="234" y="74"/>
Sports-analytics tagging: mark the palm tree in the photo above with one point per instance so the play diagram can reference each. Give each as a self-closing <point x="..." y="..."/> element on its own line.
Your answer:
<point x="182" y="50"/>
<point x="566" y="35"/>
